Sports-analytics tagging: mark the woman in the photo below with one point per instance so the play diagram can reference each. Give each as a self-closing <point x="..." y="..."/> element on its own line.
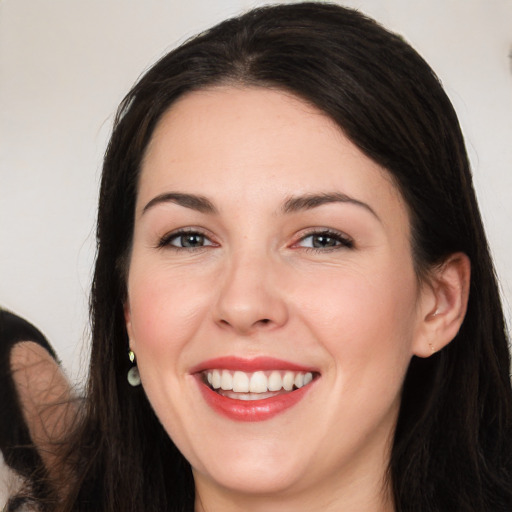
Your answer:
<point x="290" y="255"/>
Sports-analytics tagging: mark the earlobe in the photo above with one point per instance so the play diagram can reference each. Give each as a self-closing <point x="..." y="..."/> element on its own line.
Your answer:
<point x="444" y="307"/>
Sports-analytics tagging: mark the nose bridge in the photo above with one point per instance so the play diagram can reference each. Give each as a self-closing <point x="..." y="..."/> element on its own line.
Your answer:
<point x="250" y="297"/>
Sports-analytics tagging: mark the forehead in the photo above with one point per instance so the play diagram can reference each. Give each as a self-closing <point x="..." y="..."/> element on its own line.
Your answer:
<point x="230" y="122"/>
<point x="255" y="143"/>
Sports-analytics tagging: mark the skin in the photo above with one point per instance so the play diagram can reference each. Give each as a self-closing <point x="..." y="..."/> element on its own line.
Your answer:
<point x="257" y="287"/>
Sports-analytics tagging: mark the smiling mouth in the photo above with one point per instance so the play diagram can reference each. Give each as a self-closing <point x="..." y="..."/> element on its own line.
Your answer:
<point x="257" y="385"/>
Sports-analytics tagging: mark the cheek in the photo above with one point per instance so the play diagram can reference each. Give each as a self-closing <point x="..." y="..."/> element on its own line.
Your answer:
<point x="364" y="318"/>
<point x="165" y="308"/>
<point x="367" y="326"/>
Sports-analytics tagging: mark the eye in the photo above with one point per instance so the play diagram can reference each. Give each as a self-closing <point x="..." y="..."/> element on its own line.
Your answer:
<point x="325" y="240"/>
<point x="185" y="239"/>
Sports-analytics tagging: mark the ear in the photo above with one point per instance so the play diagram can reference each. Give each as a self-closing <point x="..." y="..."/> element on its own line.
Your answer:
<point x="443" y="305"/>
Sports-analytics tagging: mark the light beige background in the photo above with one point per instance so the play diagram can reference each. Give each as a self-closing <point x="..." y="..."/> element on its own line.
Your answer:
<point x="64" y="67"/>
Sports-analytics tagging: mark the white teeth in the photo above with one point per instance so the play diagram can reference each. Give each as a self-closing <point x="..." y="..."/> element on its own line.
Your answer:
<point x="299" y="380"/>
<point x="288" y="379"/>
<point x="226" y="380"/>
<point x="215" y="379"/>
<point x="275" y="382"/>
<point x="240" y="382"/>
<point x="257" y="382"/>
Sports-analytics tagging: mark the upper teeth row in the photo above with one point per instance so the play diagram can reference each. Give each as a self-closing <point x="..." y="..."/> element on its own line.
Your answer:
<point x="257" y="382"/>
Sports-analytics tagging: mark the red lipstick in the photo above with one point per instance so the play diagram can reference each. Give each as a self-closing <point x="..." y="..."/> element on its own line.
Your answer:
<point x="250" y="365"/>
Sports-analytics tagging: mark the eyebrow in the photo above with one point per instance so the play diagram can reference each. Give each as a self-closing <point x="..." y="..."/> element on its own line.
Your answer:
<point x="309" y="201"/>
<point x="292" y="205"/>
<point x="192" y="201"/>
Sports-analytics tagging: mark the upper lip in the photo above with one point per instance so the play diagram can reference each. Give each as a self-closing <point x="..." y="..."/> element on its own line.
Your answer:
<point x="250" y="364"/>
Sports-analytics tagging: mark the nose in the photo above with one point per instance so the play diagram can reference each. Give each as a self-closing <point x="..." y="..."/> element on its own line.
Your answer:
<point x="251" y="297"/>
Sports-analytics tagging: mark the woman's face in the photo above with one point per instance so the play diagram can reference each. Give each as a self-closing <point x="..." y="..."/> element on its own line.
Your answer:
<point x="272" y="258"/>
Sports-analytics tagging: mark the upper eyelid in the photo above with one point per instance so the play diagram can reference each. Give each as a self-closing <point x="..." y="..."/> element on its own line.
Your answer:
<point x="322" y="231"/>
<point x="187" y="229"/>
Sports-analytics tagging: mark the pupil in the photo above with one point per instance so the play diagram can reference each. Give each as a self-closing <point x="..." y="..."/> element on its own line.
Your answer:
<point x="192" y="240"/>
<point x="323" y="241"/>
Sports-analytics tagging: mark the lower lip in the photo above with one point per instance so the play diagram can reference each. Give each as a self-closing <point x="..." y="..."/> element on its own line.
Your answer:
<point x="251" y="410"/>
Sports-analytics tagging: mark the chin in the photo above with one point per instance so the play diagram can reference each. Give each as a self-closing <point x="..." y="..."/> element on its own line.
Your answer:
<point x="253" y="480"/>
<point x="267" y="470"/>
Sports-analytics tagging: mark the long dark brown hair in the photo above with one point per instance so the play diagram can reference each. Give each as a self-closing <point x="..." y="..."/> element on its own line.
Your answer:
<point x="452" y="446"/>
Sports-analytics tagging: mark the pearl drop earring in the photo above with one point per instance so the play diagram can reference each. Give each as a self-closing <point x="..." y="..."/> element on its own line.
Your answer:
<point x="133" y="376"/>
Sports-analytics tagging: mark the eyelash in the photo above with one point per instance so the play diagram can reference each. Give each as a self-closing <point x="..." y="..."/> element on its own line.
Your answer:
<point x="341" y="240"/>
